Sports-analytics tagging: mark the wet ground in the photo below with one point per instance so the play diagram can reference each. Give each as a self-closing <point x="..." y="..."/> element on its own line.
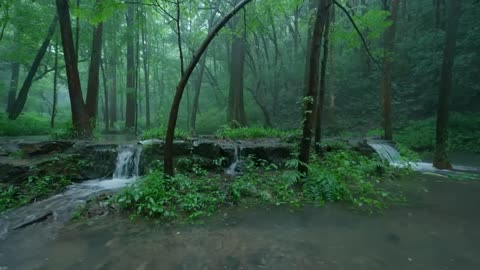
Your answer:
<point x="438" y="230"/>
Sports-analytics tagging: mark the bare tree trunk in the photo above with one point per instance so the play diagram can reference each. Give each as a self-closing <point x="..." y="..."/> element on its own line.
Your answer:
<point x="441" y="148"/>
<point x="146" y="71"/>
<point x="331" y="88"/>
<point x="196" y="98"/>
<point x="79" y="114"/>
<point x="113" y="75"/>
<point x="130" y="114"/>
<point x="236" y="106"/>
<point x="55" y="90"/>
<point x="106" y="114"/>
<point x="12" y="93"/>
<point x="93" y="73"/>
<point x="77" y="32"/>
<point x="172" y="120"/>
<point x="311" y="91"/>
<point x="23" y="94"/>
<point x="323" y="86"/>
<point x="388" y="67"/>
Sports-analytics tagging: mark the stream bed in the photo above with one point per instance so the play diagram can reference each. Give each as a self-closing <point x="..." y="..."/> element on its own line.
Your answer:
<point x="438" y="229"/>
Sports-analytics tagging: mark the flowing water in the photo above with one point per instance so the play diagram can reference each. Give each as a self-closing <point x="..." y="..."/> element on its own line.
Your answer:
<point x="439" y="230"/>
<point x="55" y="211"/>
<point x="233" y="169"/>
<point x="387" y="152"/>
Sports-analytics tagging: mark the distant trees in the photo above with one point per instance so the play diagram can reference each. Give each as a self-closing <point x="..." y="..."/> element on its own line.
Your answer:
<point x="130" y="111"/>
<point x="441" y="160"/>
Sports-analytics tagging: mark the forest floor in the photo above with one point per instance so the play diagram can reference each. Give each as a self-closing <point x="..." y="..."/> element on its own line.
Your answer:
<point x="438" y="229"/>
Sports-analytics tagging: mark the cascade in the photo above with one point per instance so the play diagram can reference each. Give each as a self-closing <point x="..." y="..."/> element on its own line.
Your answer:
<point x="128" y="161"/>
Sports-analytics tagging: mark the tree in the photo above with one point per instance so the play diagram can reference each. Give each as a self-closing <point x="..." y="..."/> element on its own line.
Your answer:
<point x="312" y="86"/>
<point x="323" y="85"/>
<point x="94" y="72"/>
<point x="19" y="104"/>
<point x="130" y="112"/>
<point x="387" y="67"/>
<point x="80" y="119"/>
<point x="441" y="147"/>
<point x="172" y="119"/>
<point x="236" y="107"/>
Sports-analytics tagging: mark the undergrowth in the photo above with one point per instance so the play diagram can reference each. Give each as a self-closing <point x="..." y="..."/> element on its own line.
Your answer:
<point x="25" y="125"/>
<point x="161" y="132"/>
<point x="464" y="133"/>
<point x="252" y="133"/>
<point x="344" y="176"/>
<point x="35" y="188"/>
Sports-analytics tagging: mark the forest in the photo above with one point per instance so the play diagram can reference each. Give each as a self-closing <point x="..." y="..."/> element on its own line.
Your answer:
<point x="185" y="111"/>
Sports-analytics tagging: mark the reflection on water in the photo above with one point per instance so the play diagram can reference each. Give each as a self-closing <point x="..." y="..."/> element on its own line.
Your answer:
<point x="439" y="231"/>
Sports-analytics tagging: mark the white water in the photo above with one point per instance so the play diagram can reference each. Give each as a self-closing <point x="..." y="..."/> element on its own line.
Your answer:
<point x="232" y="169"/>
<point x="388" y="153"/>
<point x="61" y="206"/>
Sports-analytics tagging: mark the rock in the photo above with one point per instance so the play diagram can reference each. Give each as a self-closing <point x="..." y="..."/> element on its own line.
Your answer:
<point x="12" y="172"/>
<point x="43" y="148"/>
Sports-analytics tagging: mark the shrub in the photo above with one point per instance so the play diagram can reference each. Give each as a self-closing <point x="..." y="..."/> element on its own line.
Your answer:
<point x="26" y="124"/>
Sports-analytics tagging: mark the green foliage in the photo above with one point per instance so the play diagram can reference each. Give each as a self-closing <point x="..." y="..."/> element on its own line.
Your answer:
<point x="161" y="132"/>
<point x="464" y="134"/>
<point x="341" y="176"/>
<point x="251" y="133"/>
<point x="182" y="196"/>
<point x="26" y="124"/>
<point x="34" y="189"/>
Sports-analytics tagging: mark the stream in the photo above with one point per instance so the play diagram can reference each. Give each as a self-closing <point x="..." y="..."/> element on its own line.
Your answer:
<point x="438" y="229"/>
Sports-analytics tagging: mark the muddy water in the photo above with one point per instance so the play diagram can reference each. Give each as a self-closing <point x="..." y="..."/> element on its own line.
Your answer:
<point x="439" y="230"/>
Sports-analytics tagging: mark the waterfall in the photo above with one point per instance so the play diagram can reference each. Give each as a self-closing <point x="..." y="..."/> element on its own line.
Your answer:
<point x="232" y="169"/>
<point x="128" y="161"/>
<point x="387" y="152"/>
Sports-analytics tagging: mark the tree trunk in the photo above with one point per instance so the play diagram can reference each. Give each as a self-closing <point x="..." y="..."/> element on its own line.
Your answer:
<point x="441" y="156"/>
<point x="23" y="94"/>
<point x="94" y="73"/>
<point x="172" y="120"/>
<point x="113" y="75"/>
<point x="196" y="97"/>
<point x="12" y="93"/>
<point x="236" y="106"/>
<point x="55" y="90"/>
<point x="146" y="71"/>
<point x="106" y="114"/>
<point x="311" y="89"/>
<point x="331" y="88"/>
<point x="387" y="67"/>
<point x="79" y="115"/>
<point x="130" y="112"/>
<point x="323" y="86"/>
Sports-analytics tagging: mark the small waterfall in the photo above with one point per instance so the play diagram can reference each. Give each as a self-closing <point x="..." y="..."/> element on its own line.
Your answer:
<point x="128" y="161"/>
<point x="387" y="152"/>
<point x="232" y="169"/>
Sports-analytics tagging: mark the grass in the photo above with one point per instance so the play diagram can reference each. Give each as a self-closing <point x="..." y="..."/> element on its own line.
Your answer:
<point x="161" y="132"/>
<point x="252" y="133"/>
<point x="25" y="125"/>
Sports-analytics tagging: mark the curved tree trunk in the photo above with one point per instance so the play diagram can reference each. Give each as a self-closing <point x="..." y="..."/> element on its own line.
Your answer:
<point x="441" y="147"/>
<point x="311" y="90"/>
<point x="172" y="120"/>
<point x="23" y="94"/>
